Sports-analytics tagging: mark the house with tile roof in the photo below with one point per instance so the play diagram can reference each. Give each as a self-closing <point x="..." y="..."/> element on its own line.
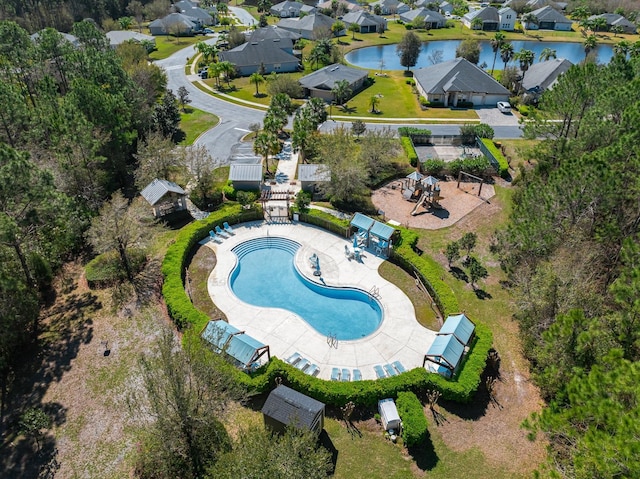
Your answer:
<point x="320" y="83"/>
<point x="456" y="81"/>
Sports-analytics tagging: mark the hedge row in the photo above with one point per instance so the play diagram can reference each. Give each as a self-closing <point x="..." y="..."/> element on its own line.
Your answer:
<point x="503" y="165"/>
<point x="414" y="422"/>
<point x="179" y="305"/>
<point x="412" y="130"/>
<point x="409" y="150"/>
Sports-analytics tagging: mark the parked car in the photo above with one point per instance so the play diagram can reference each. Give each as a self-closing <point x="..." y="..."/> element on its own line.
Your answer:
<point x="207" y="30"/>
<point x="504" y="106"/>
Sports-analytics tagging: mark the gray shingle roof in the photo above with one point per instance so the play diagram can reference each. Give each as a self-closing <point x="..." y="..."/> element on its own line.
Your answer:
<point x="174" y="19"/>
<point x="613" y="19"/>
<point x="457" y="75"/>
<point x="191" y="10"/>
<point x="245" y="173"/>
<point x="486" y="14"/>
<point x="308" y="23"/>
<point x="155" y="190"/>
<point x="286" y="5"/>
<point x="272" y="32"/>
<point x="363" y="18"/>
<point x="548" y="14"/>
<point x="72" y="39"/>
<point x="116" y="37"/>
<point x="313" y="173"/>
<point x="542" y="76"/>
<point x="327" y="77"/>
<point x="287" y="406"/>
<point x="429" y="16"/>
<point x="255" y="53"/>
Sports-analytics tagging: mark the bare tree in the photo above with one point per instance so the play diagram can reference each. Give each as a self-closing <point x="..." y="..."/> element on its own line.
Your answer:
<point x="157" y="159"/>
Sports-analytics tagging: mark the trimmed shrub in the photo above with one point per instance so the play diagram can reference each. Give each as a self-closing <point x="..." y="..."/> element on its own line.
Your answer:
<point x="414" y="422"/>
<point x="433" y="166"/>
<point x="229" y="192"/>
<point x="418" y="135"/>
<point x="410" y="81"/>
<point x="464" y="104"/>
<point x="410" y="151"/>
<point x="484" y="131"/>
<point x="503" y="165"/>
<point x="524" y="110"/>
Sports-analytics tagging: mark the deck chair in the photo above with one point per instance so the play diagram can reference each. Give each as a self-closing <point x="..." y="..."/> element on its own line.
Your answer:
<point x="303" y="364"/>
<point x="389" y="370"/>
<point x="379" y="371"/>
<point x="335" y="374"/>
<point x="219" y="231"/>
<point x="294" y="358"/>
<point x="357" y="375"/>
<point x="346" y="375"/>
<point x="399" y="367"/>
<point x="227" y="228"/>
<point x="313" y="370"/>
<point x="215" y="237"/>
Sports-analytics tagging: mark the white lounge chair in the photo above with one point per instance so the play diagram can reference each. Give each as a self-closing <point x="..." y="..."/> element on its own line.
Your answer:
<point x="219" y="231"/>
<point x="227" y="228"/>
<point x="294" y="358"/>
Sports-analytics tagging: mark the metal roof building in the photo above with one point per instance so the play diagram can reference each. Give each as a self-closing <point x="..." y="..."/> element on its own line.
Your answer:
<point x="236" y="344"/>
<point x="461" y="327"/>
<point x="286" y="406"/>
<point x="445" y="352"/>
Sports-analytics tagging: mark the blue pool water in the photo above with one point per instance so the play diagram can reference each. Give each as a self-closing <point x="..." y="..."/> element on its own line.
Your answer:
<point x="266" y="276"/>
<point x="369" y="57"/>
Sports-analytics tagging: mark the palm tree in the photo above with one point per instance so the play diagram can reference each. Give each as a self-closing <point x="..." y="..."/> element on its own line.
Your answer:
<point x="266" y="144"/>
<point x="498" y="40"/>
<point x="341" y="91"/>
<point x="589" y="44"/>
<point x="354" y="28"/>
<point x="227" y="69"/>
<point x="622" y="48"/>
<point x="599" y="23"/>
<point x="525" y="57"/>
<point x="256" y="79"/>
<point x="528" y="19"/>
<point x="374" y="101"/>
<point x="215" y="70"/>
<point x="125" y="22"/>
<point x="207" y="51"/>
<point x="316" y="55"/>
<point x="506" y="53"/>
<point x="476" y="24"/>
<point x="547" y="54"/>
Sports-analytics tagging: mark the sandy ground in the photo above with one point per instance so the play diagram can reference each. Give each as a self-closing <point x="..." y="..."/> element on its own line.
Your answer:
<point x="455" y="204"/>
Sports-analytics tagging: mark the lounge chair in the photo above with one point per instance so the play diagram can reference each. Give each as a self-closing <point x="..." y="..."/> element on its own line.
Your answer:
<point x="346" y="375"/>
<point x="379" y="371"/>
<point x="215" y="237"/>
<point x="303" y="364"/>
<point x="219" y="231"/>
<point x="399" y="367"/>
<point x="389" y="370"/>
<point x="227" y="228"/>
<point x="357" y="375"/>
<point x="335" y="374"/>
<point x="294" y="358"/>
<point x="313" y="370"/>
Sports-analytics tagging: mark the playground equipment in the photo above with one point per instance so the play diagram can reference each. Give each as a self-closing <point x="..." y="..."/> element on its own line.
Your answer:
<point x="430" y="195"/>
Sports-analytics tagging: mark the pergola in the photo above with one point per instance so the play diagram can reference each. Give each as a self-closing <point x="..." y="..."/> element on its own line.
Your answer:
<point x="236" y="344"/>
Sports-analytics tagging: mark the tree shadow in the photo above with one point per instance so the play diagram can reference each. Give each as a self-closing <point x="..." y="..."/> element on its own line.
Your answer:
<point x="348" y="109"/>
<point x="326" y="442"/>
<point x="438" y="418"/>
<point x="24" y="458"/>
<point x="459" y="274"/>
<point x="260" y="95"/>
<point x="482" y="294"/>
<point x="424" y="455"/>
<point x="477" y="408"/>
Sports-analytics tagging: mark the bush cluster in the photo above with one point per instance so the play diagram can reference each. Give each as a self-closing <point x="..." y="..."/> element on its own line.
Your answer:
<point x="433" y="166"/>
<point x="476" y="166"/>
<point x="418" y="135"/>
<point x="409" y="149"/>
<point x="414" y="422"/>
<point x="503" y="165"/>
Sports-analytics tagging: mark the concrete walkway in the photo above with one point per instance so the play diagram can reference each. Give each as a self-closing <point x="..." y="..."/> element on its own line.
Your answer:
<point x="399" y="338"/>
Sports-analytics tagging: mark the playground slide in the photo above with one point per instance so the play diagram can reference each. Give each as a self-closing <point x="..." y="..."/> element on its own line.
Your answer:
<point x="421" y="202"/>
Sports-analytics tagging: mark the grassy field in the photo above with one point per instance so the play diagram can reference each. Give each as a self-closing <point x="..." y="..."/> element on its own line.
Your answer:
<point x="167" y="45"/>
<point x="194" y="122"/>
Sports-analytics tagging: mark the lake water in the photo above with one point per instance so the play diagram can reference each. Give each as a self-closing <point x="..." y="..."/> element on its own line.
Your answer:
<point x="370" y="57"/>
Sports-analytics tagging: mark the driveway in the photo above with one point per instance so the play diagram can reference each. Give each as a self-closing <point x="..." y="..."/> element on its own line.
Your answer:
<point x="244" y="17"/>
<point x="494" y="117"/>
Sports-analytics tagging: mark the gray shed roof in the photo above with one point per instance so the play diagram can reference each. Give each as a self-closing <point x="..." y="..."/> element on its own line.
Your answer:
<point x="549" y="14"/>
<point x="255" y="53"/>
<point x="312" y="173"/>
<point x="363" y="18"/>
<point x="245" y="173"/>
<point x="155" y="190"/>
<point x="486" y="14"/>
<point x="271" y="33"/>
<point x="457" y="75"/>
<point x="543" y="75"/>
<point x="288" y="406"/>
<point x="308" y="23"/>
<point x="429" y="16"/>
<point x="117" y="37"/>
<point x="327" y="77"/>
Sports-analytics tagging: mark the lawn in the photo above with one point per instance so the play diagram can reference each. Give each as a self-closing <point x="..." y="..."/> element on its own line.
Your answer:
<point x="194" y="122"/>
<point x="167" y="45"/>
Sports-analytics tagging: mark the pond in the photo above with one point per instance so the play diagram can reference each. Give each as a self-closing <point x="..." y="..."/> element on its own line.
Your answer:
<point x="370" y="57"/>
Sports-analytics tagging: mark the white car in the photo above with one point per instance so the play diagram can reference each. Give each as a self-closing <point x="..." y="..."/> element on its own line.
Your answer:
<point x="504" y="106"/>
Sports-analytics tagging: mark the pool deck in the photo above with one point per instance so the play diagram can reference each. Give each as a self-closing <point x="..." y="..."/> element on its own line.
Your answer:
<point x="399" y="338"/>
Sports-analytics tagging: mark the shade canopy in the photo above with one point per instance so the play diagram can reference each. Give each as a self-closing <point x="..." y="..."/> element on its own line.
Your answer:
<point x="446" y="351"/>
<point x="381" y="230"/>
<point x="460" y="327"/>
<point x="429" y="180"/>
<point x="237" y="344"/>
<point x="415" y="176"/>
<point x="362" y="222"/>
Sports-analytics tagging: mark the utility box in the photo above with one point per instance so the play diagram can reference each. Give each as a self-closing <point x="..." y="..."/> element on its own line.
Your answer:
<point x="389" y="415"/>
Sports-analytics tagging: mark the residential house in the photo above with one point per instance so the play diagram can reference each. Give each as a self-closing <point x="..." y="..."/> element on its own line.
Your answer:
<point x="272" y="32"/>
<point x="175" y="24"/>
<point x="446" y="8"/>
<point x="543" y="76"/>
<point x="458" y="80"/>
<point x="614" y="21"/>
<point x="308" y="25"/>
<point x="390" y="7"/>
<point x="245" y="177"/>
<point x="67" y="37"/>
<point x="507" y="19"/>
<point x="289" y="9"/>
<point x="346" y="5"/>
<point x="312" y="177"/>
<point x="286" y="407"/>
<point x="368" y="22"/>
<point x="118" y="37"/>
<point x="489" y="16"/>
<point x="549" y="19"/>
<point x="165" y="197"/>
<point x="193" y="11"/>
<point x="271" y="55"/>
<point x="431" y="19"/>
<point x="320" y="83"/>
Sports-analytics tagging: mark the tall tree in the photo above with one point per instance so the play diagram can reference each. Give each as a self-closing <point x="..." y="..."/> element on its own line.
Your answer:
<point x="590" y="43"/>
<point x="256" y="79"/>
<point x="409" y="50"/>
<point x="166" y="116"/>
<point x="497" y="41"/>
<point x="547" y="54"/>
<point x="157" y="158"/>
<point x="469" y="49"/>
<point x="506" y="53"/>
<point x="525" y="59"/>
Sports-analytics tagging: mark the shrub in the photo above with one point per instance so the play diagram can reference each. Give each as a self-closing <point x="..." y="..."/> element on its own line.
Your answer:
<point x="303" y="199"/>
<point x="410" y="81"/>
<point x="433" y="166"/>
<point x="455" y="167"/>
<point x="503" y="165"/>
<point x="409" y="150"/>
<point x="284" y="84"/>
<point x="464" y="104"/>
<point x="417" y="135"/>
<point x="414" y="422"/>
<point x="524" y="110"/>
<point x="229" y="191"/>
<point x="484" y="131"/>
<point x="106" y="269"/>
<point x="468" y="134"/>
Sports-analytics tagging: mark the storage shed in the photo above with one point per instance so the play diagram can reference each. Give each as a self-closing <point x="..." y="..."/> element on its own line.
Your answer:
<point x="242" y="348"/>
<point x="286" y="406"/>
<point x="461" y="327"/>
<point x="389" y="415"/>
<point x="246" y="177"/>
<point x="312" y="176"/>
<point x="165" y="197"/>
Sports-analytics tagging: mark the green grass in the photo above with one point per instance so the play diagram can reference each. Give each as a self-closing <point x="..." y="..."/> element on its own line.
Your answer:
<point x="168" y="45"/>
<point x="194" y="122"/>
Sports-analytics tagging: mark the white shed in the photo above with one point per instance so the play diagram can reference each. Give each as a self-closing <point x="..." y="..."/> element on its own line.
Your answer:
<point x="389" y="415"/>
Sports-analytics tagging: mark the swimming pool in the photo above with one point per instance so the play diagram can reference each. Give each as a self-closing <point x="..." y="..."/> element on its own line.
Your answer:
<point x="266" y="276"/>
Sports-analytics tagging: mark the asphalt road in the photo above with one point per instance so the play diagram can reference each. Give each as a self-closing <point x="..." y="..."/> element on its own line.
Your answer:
<point x="223" y="141"/>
